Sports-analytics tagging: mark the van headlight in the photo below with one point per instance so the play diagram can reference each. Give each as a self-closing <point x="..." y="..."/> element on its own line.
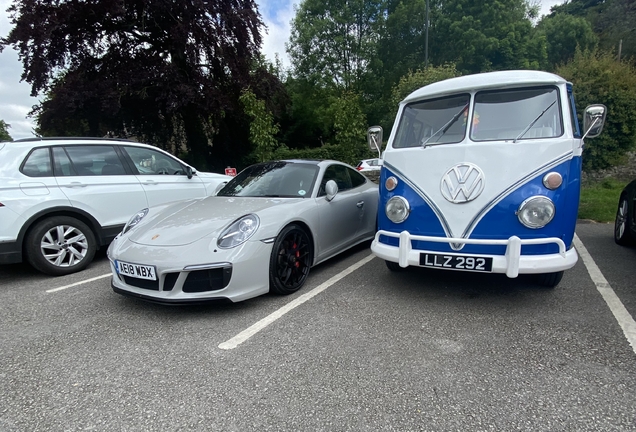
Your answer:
<point x="134" y="221"/>
<point x="536" y="212"/>
<point x="397" y="209"/>
<point x="239" y="231"/>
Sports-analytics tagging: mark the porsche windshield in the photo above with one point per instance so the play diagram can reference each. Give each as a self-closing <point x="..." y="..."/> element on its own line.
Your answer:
<point x="273" y="179"/>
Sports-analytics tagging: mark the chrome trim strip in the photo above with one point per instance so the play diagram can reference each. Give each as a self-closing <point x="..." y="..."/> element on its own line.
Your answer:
<point x="425" y="197"/>
<point x="473" y="223"/>
<point x="207" y="266"/>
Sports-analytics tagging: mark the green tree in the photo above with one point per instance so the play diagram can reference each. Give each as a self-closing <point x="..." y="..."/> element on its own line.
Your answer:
<point x="563" y="33"/>
<point x="350" y="127"/>
<point x="263" y="130"/>
<point x="333" y="41"/>
<point x="4" y="131"/>
<point x="598" y="78"/>
<point x="481" y="36"/>
<point x="157" y="69"/>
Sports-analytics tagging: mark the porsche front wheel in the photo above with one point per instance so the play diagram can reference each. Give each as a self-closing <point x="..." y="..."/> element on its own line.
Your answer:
<point x="290" y="261"/>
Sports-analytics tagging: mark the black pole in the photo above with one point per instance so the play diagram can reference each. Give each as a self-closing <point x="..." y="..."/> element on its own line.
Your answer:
<point x="426" y="39"/>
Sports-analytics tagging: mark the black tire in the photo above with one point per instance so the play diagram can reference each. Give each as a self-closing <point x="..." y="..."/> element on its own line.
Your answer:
<point x="70" y="239"/>
<point x="393" y="266"/>
<point x="291" y="259"/>
<point x="623" y="223"/>
<point x="549" y="280"/>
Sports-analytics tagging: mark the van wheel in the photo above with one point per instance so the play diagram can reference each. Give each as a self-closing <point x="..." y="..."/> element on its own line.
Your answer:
<point x="549" y="280"/>
<point x="60" y="245"/>
<point x="393" y="266"/>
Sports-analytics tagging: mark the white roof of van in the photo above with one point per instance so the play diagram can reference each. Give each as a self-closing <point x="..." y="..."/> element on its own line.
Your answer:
<point x="500" y="79"/>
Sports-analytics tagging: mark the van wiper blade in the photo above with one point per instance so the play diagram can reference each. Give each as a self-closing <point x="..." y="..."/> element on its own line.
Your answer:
<point x="447" y="126"/>
<point x="533" y="122"/>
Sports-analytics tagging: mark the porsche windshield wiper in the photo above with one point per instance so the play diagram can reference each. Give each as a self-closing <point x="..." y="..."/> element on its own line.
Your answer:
<point x="447" y="126"/>
<point x="533" y="122"/>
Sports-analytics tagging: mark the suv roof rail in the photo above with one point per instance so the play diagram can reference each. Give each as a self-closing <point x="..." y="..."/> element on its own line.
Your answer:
<point x="73" y="139"/>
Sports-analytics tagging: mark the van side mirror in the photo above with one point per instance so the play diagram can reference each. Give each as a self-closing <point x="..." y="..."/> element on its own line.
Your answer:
<point x="374" y="138"/>
<point x="331" y="189"/>
<point x="593" y="120"/>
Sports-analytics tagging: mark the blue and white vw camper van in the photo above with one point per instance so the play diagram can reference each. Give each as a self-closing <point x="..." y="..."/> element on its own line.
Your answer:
<point x="482" y="173"/>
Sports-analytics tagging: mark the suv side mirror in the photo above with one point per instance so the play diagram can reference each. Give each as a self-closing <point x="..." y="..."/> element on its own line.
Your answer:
<point x="188" y="171"/>
<point x="593" y="120"/>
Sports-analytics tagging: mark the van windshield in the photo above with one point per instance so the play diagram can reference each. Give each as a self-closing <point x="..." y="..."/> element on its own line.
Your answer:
<point x="517" y="114"/>
<point x="432" y="122"/>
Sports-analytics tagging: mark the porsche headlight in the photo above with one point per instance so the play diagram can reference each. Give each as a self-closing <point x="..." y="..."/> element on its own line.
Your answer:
<point x="134" y="221"/>
<point x="397" y="209"/>
<point x="239" y="231"/>
<point x="536" y="212"/>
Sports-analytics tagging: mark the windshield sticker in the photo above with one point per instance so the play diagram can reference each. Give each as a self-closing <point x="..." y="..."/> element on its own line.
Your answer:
<point x="301" y="192"/>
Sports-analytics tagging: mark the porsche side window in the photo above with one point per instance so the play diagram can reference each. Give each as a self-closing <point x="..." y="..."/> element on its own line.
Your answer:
<point x="357" y="179"/>
<point x="38" y="164"/>
<point x="339" y="174"/>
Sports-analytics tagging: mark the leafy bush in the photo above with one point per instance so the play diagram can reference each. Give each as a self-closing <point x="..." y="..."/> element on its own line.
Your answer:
<point x="599" y="78"/>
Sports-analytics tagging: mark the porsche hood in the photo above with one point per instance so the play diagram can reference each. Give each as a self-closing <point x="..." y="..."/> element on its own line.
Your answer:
<point x="187" y="223"/>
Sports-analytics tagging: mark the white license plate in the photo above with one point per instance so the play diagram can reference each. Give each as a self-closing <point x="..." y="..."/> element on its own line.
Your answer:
<point x="136" y="270"/>
<point x="456" y="262"/>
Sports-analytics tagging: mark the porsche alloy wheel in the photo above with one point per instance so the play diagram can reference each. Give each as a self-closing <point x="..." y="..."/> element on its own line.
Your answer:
<point x="621" y="225"/>
<point x="60" y="245"/>
<point x="290" y="261"/>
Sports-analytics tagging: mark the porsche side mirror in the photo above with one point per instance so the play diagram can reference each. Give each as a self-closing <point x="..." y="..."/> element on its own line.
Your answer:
<point x="331" y="188"/>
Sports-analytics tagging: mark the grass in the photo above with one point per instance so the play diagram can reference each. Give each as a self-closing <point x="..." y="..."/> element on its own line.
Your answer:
<point x="600" y="200"/>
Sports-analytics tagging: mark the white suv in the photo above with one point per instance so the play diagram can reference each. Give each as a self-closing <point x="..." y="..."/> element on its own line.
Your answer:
<point x="63" y="198"/>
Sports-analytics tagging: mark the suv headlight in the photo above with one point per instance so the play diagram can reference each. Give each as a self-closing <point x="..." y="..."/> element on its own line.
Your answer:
<point x="397" y="209"/>
<point x="536" y="212"/>
<point x="134" y="221"/>
<point x="238" y="232"/>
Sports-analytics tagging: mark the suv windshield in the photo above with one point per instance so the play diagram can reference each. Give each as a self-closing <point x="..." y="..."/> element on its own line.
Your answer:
<point x="518" y="114"/>
<point x="273" y="179"/>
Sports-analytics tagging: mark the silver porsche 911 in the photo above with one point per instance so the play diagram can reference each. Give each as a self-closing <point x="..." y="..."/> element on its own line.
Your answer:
<point x="261" y="232"/>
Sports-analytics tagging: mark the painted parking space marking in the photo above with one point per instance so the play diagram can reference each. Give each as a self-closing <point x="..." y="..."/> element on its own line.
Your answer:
<point x="621" y="314"/>
<point x="260" y="325"/>
<point x="79" y="283"/>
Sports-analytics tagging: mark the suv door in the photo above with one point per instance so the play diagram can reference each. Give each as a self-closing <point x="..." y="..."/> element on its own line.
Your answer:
<point x="163" y="177"/>
<point x="94" y="179"/>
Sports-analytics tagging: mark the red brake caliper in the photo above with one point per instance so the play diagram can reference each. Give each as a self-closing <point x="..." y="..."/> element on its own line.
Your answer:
<point x="297" y="263"/>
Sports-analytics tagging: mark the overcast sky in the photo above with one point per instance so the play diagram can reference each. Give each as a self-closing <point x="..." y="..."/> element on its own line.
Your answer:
<point x="15" y="99"/>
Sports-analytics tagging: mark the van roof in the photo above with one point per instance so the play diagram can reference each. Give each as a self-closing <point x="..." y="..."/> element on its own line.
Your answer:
<point x="488" y="80"/>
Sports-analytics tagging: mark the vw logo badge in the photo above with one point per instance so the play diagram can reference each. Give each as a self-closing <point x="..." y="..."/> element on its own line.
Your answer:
<point x="462" y="183"/>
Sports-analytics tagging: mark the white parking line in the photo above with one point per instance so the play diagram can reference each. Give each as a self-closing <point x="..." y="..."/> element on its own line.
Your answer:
<point x="79" y="283"/>
<point x="260" y="325"/>
<point x="621" y="314"/>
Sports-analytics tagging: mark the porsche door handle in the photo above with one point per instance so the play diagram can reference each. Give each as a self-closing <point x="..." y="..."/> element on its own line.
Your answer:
<point x="360" y="204"/>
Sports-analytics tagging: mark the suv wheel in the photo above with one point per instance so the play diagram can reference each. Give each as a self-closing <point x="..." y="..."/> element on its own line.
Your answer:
<point x="60" y="245"/>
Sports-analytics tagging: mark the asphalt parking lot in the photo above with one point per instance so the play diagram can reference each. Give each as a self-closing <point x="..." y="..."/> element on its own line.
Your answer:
<point x="358" y="348"/>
